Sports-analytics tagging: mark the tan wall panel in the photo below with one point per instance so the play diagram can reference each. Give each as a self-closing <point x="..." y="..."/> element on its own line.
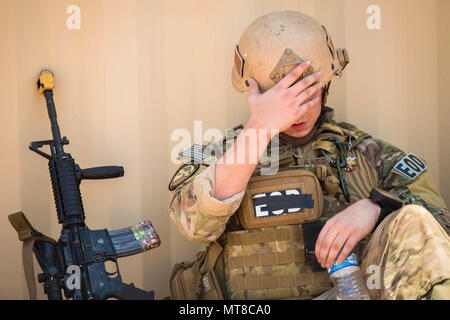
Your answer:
<point x="138" y="70"/>
<point x="13" y="282"/>
<point x="443" y="64"/>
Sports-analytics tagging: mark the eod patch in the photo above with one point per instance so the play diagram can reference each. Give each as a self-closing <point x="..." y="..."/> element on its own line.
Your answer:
<point x="410" y="166"/>
<point x="281" y="202"/>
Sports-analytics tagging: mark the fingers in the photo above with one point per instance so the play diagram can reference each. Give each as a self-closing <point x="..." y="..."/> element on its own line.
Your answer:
<point x="336" y="247"/>
<point x="320" y="238"/>
<point x="254" y="86"/>
<point x="305" y="83"/>
<point x="308" y="93"/>
<point x="324" y="245"/>
<point x="254" y="92"/>
<point x="334" y="244"/>
<point x="349" y="245"/>
<point x="293" y="76"/>
<point x="303" y="108"/>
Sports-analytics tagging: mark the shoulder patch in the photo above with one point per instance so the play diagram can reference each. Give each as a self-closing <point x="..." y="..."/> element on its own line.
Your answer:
<point x="332" y="127"/>
<point x="354" y="134"/>
<point x="182" y="174"/>
<point x="353" y="131"/>
<point x="410" y="166"/>
<point x="328" y="146"/>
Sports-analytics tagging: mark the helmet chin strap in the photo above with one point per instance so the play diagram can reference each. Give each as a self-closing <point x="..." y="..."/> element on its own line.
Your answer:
<point x="325" y="93"/>
<point x="325" y="110"/>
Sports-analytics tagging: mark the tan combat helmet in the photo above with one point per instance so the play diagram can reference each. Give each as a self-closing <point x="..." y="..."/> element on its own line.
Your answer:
<point x="276" y="43"/>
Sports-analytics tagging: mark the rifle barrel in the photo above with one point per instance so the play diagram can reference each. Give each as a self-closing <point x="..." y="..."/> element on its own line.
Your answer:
<point x="53" y="119"/>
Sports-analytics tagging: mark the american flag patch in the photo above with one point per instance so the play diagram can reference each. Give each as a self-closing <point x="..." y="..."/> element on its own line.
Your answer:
<point x="195" y="152"/>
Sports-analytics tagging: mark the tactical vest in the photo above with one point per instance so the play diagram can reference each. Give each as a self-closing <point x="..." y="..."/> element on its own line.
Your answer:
<point x="264" y="249"/>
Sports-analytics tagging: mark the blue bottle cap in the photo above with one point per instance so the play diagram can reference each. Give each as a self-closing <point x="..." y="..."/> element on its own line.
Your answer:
<point x="349" y="261"/>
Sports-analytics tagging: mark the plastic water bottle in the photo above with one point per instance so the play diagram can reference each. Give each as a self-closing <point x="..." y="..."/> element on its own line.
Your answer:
<point x="347" y="279"/>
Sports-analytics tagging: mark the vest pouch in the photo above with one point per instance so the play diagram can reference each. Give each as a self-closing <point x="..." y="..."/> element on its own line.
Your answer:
<point x="200" y="279"/>
<point x="287" y="198"/>
<point x="269" y="263"/>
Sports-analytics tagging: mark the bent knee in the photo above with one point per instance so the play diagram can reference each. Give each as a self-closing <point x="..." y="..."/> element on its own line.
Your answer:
<point x="414" y="211"/>
<point x="414" y="217"/>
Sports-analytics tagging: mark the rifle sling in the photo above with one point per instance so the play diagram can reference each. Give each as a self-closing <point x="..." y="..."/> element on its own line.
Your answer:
<point x="28" y="235"/>
<point x="28" y="267"/>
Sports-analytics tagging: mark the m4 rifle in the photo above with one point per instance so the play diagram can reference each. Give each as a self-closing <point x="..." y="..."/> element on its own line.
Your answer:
<point x="75" y="264"/>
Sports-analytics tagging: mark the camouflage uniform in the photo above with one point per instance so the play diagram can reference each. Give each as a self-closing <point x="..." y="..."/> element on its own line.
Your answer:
<point x="411" y="246"/>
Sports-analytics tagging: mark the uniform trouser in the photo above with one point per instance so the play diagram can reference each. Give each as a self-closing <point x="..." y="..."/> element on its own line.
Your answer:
<point x="407" y="257"/>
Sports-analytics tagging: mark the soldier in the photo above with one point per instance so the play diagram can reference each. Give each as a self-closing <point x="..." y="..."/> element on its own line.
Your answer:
<point x="337" y="188"/>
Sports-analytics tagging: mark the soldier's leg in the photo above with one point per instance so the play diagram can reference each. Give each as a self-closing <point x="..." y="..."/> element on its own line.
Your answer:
<point x="408" y="257"/>
<point x="441" y="291"/>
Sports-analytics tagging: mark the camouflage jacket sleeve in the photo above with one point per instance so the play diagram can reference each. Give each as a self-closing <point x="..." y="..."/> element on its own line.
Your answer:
<point x="198" y="215"/>
<point x="405" y="177"/>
